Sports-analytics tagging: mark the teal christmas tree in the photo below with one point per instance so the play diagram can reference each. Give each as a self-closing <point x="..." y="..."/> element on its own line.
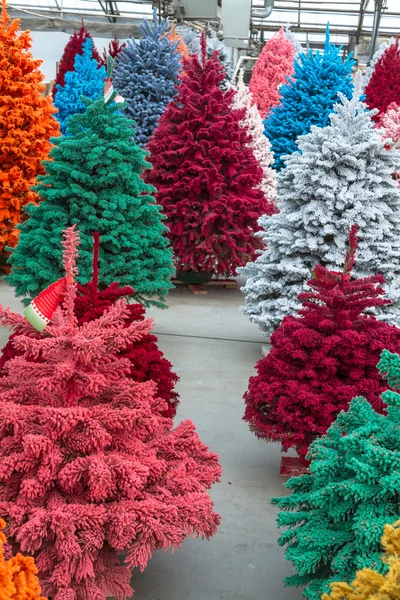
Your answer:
<point x="308" y="97"/>
<point x="86" y="80"/>
<point x="335" y="515"/>
<point x="147" y="74"/>
<point x="94" y="179"/>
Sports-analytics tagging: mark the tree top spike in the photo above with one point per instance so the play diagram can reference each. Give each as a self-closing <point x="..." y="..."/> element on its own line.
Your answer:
<point x="327" y="37"/>
<point x="203" y="43"/>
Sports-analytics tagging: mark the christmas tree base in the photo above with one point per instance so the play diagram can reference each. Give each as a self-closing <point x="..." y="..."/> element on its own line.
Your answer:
<point x="194" y="277"/>
<point x="291" y="466"/>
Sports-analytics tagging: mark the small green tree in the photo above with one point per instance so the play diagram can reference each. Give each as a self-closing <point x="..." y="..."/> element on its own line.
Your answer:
<point x="94" y="180"/>
<point x="336" y="514"/>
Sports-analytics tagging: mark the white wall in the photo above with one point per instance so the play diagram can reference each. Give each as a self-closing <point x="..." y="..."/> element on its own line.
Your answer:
<point x="49" y="47"/>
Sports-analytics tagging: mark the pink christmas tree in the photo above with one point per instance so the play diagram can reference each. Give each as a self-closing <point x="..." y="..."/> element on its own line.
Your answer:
<point x="260" y="145"/>
<point x="274" y="64"/>
<point x="390" y="125"/>
<point x="89" y="467"/>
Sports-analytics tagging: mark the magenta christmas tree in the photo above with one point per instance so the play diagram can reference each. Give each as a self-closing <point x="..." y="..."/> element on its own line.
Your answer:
<point x="321" y="358"/>
<point x="89" y="467"/>
<point x="206" y="174"/>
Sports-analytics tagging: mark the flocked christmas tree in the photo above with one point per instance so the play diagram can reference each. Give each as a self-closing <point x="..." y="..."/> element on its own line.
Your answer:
<point x="206" y="174"/>
<point x="274" y="64"/>
<point x="146" y="75"/>
<point x="383" y="82"/>
<point x="321" y="358"/>
<point x="191" y="38"/>
<point x="18" y="575"/>
<point x="115" y="47"/>
<point x="86" y="80"/>
<point x="73" y="47"/>
<point x="26" y="124"/>
<point x="94" y="179"/>
<point x="336" y="514"/>
<point x="390" y="129"/>
<point x="175" y="38"/>
<point x="147" y="362"/>
<point x="222" y="56"/>
<point x="308" y="98"/>
<point x="372" y="585"/>
<point x="260" y="145"/>
<point x="341" y="176"/>
<point x="375" y="59"/>
<point x="89" y="466"/>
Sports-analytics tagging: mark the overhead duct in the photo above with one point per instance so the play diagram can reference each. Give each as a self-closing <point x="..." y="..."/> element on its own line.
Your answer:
<point x="264" y="14"/>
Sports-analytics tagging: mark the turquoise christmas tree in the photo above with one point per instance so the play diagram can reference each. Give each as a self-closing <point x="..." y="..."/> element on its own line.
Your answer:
<point x="87" y="80"/>
<point x="308" y="97"/>
<point x="146" y="75"/>
<point x="94" y="179"/>
<point x="335" y="515"/>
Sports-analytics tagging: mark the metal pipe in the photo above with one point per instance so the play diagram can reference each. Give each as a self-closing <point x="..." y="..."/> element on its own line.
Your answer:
<point x="375" y="26"/>
<point x="264" y="14"/>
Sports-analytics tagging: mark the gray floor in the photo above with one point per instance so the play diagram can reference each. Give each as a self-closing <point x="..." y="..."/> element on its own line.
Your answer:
<point x="214" y="348"/>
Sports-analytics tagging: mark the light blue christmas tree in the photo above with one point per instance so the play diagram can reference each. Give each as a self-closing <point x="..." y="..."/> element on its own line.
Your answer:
<point x="146" y="76"/>
<point x="308" y="98"/>
<point x="87" y="80"/>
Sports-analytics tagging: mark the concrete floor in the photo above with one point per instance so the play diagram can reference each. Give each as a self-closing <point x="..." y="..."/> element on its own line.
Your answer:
<point x="214" y="348"/>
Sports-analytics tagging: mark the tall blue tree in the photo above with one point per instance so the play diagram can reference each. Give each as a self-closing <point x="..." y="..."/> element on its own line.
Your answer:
<point x="146" y="75"/>
<point x="308" y="98"/>
<point x="87" y="80"/>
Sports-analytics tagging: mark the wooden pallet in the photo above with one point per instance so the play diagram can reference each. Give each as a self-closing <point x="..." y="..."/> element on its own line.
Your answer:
<point x="199" y="289"/>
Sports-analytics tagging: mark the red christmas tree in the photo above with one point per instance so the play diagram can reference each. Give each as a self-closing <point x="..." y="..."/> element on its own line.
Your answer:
<point x="89" y="467"/>
<point x="114" y="48"/>
<point x="321" y="359"/>
<point x="73" y="47"/>
<point x="147" y="362"/>
<point x="384" y="85"/>
<point x="206" y="174"/>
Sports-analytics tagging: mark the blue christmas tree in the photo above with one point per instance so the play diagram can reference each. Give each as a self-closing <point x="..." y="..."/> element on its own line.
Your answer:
<point x="87" y="80"/>
<point x="146" y="75"/>
<point x="308" y="98"/>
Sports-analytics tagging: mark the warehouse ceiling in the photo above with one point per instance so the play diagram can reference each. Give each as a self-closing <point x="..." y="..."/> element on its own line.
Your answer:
<point x="351" y="22"/>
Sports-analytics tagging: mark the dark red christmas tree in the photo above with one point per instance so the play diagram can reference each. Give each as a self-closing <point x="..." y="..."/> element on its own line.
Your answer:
<point x="206" y="174"/>
<point x="73" y="47"/>
<point x="114" y="48"/>
<point x="384" y="85"/>
<point x="147" y="360"/>
<point x="321" y="359"/>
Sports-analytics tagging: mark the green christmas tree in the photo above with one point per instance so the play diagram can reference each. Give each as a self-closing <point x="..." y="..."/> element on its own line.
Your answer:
<point x="94" y="180"/>
<point x="335" y="515"/>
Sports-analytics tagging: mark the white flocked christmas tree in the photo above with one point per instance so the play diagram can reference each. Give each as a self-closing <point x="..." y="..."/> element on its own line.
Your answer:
<point x="259" y="144"/>
<point x="342" y="176"/>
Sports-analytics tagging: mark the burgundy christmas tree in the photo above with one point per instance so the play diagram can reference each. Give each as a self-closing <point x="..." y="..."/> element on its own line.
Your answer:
<point x="384" y="84"/>
<point x="114" y="48"/>
<point x="73" y="47"/>
<point x="206" y="174"/>
<point x="89" y="466"/>
<point x="147" y="362"/>
<point x="321" y="359"/>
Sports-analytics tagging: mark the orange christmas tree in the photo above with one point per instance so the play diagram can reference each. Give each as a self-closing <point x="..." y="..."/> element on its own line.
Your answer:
<point x="18" y="576"/>
<point x="173" y="36"/>
<point x="26" y="124"/>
